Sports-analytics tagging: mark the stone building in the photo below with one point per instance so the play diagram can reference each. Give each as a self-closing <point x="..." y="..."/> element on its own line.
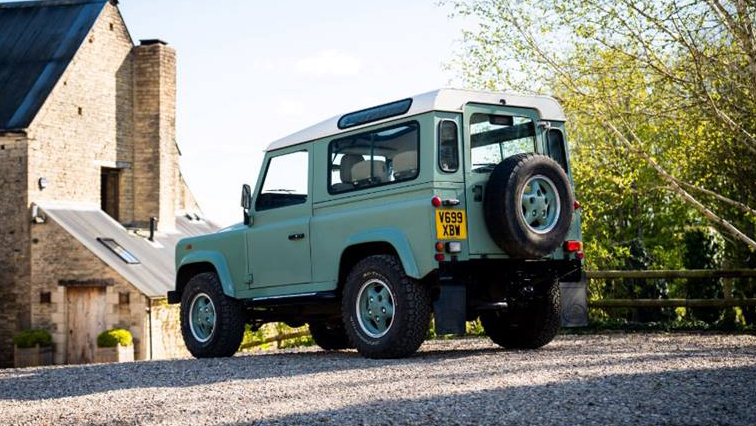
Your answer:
<point x="87" y="157"/>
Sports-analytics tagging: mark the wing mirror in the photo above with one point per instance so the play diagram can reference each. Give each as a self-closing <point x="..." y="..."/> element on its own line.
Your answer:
<point x="246" y="203"/>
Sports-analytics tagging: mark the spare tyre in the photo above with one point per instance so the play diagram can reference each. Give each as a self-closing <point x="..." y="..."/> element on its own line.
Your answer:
<point x="528" y="205"/>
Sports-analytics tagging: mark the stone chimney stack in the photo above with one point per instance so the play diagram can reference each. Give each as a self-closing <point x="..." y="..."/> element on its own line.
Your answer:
<point x="155" y="154"/>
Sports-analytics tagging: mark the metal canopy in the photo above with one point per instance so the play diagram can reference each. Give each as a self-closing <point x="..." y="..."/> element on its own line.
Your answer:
<point x="154" y="275"/>
<point x="38" y="39"/>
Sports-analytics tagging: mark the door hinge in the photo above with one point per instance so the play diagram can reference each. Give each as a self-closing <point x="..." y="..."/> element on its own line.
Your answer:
<point x="477" y="193"/>
<point x="249" y="280"/>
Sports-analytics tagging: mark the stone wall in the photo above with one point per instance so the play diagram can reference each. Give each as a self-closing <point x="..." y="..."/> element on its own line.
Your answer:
<point x="14" y="242"/>
<point x="51" y="266"/>
<point x="167" y="341"/>
<point x="87" y="121"/>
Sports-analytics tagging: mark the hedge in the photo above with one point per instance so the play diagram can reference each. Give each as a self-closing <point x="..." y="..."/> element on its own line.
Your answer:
<point x="32" y="338"/>
<point x="116" y="336"/>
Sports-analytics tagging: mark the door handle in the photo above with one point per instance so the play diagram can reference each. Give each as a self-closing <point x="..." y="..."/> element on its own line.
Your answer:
<point x="296" y="236"/>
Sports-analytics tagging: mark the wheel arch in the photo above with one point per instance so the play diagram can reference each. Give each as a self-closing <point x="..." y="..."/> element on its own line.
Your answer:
<point x="379" y="241"/>
<point x="197" y="263"/>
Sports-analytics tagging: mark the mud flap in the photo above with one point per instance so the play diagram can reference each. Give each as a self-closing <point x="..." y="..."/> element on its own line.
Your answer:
<point x="449" y="310"/>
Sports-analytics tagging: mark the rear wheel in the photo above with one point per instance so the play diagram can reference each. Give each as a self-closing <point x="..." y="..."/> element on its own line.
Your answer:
<point x="211" y="322"/>
<point x="330" y="336"/>
<point x="526" y="325"/>
<point x="386" y="313"/>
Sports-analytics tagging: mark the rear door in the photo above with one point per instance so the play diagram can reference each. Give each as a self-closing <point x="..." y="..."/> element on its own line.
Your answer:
<point x="491" y="133"/>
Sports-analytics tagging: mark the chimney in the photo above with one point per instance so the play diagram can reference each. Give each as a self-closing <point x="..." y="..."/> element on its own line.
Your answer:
<point x="155" y="155"/>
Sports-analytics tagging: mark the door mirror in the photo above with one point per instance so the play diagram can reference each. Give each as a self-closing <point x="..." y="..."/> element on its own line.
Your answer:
<point x="246" y="202"/>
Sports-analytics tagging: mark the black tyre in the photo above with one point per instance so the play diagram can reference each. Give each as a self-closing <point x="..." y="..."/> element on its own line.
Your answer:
<point x="526" y="325"/>
<point x="528" y="205"/>
<point x="330" y="336"/>
<point x="211" y="322"/>
<point x="386" y="313"/>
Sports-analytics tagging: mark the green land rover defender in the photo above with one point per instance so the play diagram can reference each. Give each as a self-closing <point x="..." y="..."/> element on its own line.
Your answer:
<point x="454" y="203"/>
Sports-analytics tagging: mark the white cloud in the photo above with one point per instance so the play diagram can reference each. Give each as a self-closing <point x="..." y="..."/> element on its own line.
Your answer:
<point x="329" y="62"/>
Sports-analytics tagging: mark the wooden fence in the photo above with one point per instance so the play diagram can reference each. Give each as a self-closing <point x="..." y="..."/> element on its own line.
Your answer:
<point x="726" y="274"/>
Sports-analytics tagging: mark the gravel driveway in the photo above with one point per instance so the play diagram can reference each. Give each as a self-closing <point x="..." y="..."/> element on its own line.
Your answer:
<point x="628" y="379"/>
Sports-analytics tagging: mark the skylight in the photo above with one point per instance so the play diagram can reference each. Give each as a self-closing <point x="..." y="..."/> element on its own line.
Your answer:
<point x="121" y="252"/>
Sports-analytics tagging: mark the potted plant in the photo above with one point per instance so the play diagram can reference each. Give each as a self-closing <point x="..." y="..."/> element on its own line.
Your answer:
<point x="115" y="345"/>
<point x="32" y="348"/>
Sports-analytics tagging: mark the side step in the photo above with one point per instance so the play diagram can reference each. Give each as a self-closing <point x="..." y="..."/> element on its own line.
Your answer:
<point x="292" y="299"/>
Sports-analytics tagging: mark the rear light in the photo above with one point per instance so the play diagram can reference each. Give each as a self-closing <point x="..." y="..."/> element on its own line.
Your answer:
<point x="439" y="257"/>
<point x="580" y="255"/>
<point x="454" y="247"/>
<point x="436" y="201"/>
<point x="576" y="204"/>
<point x="573" y="246"/>
<point x="439" y="247"/>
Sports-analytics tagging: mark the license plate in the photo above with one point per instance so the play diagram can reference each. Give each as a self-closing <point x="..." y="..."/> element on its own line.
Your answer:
<point x="451" y="225"/>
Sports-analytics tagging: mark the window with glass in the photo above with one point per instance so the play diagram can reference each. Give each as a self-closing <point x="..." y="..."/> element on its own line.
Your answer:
<point x="448" y="146"/>
<point x="285" y="181"/>
<point x="374" y="158"/>
<point x="496" y="137"/>
<point x="556" y="147"/>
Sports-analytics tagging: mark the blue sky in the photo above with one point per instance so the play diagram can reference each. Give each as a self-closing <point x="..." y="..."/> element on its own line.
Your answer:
<point x="250" y="72"/>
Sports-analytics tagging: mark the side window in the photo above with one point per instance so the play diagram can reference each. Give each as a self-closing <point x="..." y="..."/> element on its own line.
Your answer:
<point x="285" y="181"/>
<point x="374" y="158"/>
<point x="448" y="146"/>
<point x="496" y="137"/>
<point x="556" y="147"/>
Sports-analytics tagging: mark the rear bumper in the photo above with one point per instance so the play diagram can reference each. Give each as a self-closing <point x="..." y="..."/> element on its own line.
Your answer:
<point x="465" y="288"/>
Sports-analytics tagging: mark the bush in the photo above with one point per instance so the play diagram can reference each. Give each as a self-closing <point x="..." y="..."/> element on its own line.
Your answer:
<point x="116" y="336"/>
<point x="32" y="338"/>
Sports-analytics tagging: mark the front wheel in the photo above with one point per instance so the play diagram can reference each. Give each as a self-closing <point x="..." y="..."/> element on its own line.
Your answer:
<point x="386" y="313"/>
<point x="526" y="325"/>
<point x="211" y="322"/>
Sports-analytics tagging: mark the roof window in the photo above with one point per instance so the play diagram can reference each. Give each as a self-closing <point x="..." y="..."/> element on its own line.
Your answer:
<point x="121" y="252"/>
<point x="379" y="112"/>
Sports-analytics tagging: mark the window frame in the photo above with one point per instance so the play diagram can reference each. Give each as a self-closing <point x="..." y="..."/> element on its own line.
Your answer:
<point x="535" y="135"/>
<point x="438" y="145"/>
<point x="265" y="176"/>
<point x="375" y="130"/>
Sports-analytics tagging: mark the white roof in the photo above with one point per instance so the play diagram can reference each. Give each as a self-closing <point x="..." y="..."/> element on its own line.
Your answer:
<point x="452" y="100"/>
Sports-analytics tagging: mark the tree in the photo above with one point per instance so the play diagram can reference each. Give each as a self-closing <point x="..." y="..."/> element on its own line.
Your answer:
<point x="673" y="83"/>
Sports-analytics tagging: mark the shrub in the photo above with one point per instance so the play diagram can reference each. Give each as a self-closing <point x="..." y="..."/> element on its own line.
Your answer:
<point x="32" y="338"/>
<point x="116" y="336"/>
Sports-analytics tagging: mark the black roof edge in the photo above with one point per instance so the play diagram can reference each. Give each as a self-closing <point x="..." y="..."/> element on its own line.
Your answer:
<point x="149" y="41"/>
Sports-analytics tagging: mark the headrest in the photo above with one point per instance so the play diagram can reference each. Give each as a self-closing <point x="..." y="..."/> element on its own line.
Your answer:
<point x="405" y="162"/>
<point x="347" y="162"/>
<point x="362" y="170"/>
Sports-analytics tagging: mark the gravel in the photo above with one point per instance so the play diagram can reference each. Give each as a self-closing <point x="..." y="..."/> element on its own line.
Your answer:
<point x="621" y="379"/>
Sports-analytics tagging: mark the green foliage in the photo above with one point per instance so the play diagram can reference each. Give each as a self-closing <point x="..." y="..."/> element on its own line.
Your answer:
<point x="32" y="338"/>
<point x="253" y="340"/>
<point x="703" y="250"/>
<point x="674" y="82"/>
<point x="114" y="337"/>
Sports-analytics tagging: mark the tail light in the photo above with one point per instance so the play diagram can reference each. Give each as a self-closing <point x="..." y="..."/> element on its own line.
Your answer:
<point x="436" y="201"/>
<point x="573" y="246"/>
<point x="576" y="204"/>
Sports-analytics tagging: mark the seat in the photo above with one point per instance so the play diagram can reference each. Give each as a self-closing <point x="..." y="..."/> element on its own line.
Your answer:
<point x="345" y="172"/>
<point x="405" y="165"/>
<point x="368" y="171"/>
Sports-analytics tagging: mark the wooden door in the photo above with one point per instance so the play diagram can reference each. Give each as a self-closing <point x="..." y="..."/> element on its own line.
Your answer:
<point x="86" y="319"/>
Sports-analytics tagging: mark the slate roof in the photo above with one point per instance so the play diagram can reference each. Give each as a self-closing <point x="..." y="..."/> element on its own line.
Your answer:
<point x="38" y="39"/>
<point x="154" y="275"/>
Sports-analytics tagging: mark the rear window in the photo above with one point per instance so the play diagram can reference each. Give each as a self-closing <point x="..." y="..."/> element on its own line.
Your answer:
<point x="374" y="158"/>
<point x="496" y="137"/>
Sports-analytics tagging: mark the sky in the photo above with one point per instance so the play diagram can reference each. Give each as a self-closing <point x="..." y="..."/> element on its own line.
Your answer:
<point x="250" y="72"/>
